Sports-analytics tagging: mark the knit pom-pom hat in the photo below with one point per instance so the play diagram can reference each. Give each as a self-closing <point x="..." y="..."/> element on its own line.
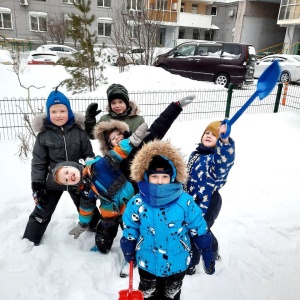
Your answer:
<point x="57" y="97"/>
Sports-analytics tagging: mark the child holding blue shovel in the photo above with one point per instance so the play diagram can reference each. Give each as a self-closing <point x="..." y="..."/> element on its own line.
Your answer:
<point x="210" y="163"/>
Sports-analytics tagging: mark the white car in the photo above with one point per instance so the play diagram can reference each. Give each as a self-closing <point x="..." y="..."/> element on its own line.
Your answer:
<point x="42" y="58"/>
<point x="61" y="50"/>
<point x="5" y="57"/>
<point x="289" y="64"/>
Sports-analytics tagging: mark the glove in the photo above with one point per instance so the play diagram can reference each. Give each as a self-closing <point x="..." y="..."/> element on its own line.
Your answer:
<point x="39" y="193"/>
<point x="186" y="100"/>
<point x="128" y="248"/>
<point x="78" y="230"/>
<point x="137" y="137"/>
<point x="91" y="111"/>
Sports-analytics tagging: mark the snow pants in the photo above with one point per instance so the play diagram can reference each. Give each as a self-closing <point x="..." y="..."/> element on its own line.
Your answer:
<point x="210" y="217"/>
<point x="106" y="232"/>
<point x="160" y="288"/>
<point x="40" y="218"/>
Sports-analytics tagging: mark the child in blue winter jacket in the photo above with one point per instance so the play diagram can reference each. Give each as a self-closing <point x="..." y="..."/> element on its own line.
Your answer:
<point x="208" y="169"/>
<point x="160" y="221"/>
<point x="101" y="179"/>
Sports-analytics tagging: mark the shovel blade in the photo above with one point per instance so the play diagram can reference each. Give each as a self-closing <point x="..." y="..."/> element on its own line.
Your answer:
<point x="130" y="295"/>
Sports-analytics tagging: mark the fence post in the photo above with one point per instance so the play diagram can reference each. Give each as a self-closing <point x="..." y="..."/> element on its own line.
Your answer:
<point x="228" y="102"/>
<point x="278" y="95"/>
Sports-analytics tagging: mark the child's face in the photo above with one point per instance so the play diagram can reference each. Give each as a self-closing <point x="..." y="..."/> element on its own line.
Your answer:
<point x="118" y="106"/>
<point x="58" y="114"/>
<point x="115" y="137"/>
<point x="68" y="175"/>
<point x="159" y="178"/>
<point x="208" y="139"/>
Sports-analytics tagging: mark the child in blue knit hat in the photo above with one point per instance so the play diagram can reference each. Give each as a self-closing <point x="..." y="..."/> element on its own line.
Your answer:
<point x="60" y="138"/>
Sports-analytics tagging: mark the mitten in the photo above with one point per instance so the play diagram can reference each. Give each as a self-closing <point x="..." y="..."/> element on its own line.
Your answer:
<point x="78" y="230"/>
<point x="39" y="193"/>
<point x="208" y="261"/>
<point x="137" y="137"/>
<point x="204" y="243"/>
<point x="128" y="248"/>
<point x="91" y="111"/>
<point x="186" y="100"/>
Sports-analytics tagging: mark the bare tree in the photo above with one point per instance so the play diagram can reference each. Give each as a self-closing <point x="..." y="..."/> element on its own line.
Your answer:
<point x="135" y="28"/>
<point x="26" y="139"/>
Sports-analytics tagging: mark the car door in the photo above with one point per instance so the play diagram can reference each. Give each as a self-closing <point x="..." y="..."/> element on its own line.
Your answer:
<point x="182" y="59"/>
<point x="206" y="62"/>
<point x="261" y="65"/>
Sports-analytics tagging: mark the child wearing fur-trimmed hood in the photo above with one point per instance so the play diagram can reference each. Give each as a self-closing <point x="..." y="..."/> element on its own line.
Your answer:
<point x="160" y="221"/>
<point x="208" y="169"/>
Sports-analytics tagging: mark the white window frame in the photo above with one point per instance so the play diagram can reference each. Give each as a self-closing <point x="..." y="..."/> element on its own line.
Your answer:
<point x="38" y="15"/>
<point x="216" y="10"/>
<point x="71" y="1"/>
<point x="103" y="3"/>
<point x="4" y="10"/>
<point x="104" y="21"/>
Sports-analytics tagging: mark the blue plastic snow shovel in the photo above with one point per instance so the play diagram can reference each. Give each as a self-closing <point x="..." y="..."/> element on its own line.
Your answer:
<point x="265" y="85"/>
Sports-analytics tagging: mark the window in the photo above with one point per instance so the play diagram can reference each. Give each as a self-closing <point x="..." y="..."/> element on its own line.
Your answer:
<point x="289" y="10"/>
<point x="181" y="33"/>
<point x="162" y="4"/>
<point x="134" y="4"/>
<point x="213" y="10"/>
<point x="72" y="1"/>
<point x="186" y="50"/>
<point x="38" y="21"/>
<point x="194" y="8"/>
<point x="196" y="34"/>
<point x="104" y="3"/>
<point x="104" y="26"/>
<point x="5" y="18"/>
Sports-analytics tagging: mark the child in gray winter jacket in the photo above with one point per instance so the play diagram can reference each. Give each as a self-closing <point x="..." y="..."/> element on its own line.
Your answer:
<point x="60" y="138"/>
<point x="160" y="221"/>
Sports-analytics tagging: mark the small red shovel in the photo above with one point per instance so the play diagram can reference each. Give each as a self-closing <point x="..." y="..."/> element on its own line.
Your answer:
<point x="130" y="294"/>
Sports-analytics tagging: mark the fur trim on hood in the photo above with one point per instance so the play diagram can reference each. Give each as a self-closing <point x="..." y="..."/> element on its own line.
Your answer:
<point x="134" y="109"/>
<point x="143" y="158"/>
<point x="39" y="121"/>
<point x="101" y="128"/>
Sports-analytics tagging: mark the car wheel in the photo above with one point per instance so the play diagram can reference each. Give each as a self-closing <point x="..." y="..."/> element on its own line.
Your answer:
<point x="222" y="79"/>
<point x="285" y="77"/>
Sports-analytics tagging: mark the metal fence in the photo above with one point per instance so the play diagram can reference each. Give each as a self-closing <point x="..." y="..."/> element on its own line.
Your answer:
<point x="208" y="104"/>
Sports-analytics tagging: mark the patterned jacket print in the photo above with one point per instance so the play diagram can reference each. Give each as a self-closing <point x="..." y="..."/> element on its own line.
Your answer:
<point x="103" y="179"/>
<point x="162" y="218"/>
<point x="208" y="169"/>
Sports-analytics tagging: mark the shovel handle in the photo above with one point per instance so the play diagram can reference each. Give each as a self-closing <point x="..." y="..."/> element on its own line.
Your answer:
<point x="130" y="275"/>
<point x="230" y="122"/>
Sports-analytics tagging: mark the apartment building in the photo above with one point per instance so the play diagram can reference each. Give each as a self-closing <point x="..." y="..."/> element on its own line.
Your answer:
<point x="253" y="22"/>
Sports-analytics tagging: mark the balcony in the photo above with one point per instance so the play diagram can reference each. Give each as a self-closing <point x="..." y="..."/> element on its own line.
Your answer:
<point x="194" y="20"/>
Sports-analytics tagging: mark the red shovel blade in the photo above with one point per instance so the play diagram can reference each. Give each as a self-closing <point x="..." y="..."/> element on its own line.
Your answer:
<point x="131" y="294"/>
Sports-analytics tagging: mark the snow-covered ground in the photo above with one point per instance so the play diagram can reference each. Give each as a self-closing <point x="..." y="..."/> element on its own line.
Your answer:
<point x="258" y="228"/>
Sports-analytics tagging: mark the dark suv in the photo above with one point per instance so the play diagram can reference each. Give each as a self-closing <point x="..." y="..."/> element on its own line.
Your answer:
<point x="220" y="62"/>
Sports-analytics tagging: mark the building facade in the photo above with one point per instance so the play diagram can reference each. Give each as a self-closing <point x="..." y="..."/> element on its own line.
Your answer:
<point x="260" y="23"/>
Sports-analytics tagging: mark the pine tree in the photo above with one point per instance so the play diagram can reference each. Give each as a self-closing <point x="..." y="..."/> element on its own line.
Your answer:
<point x="84" y="66"/>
